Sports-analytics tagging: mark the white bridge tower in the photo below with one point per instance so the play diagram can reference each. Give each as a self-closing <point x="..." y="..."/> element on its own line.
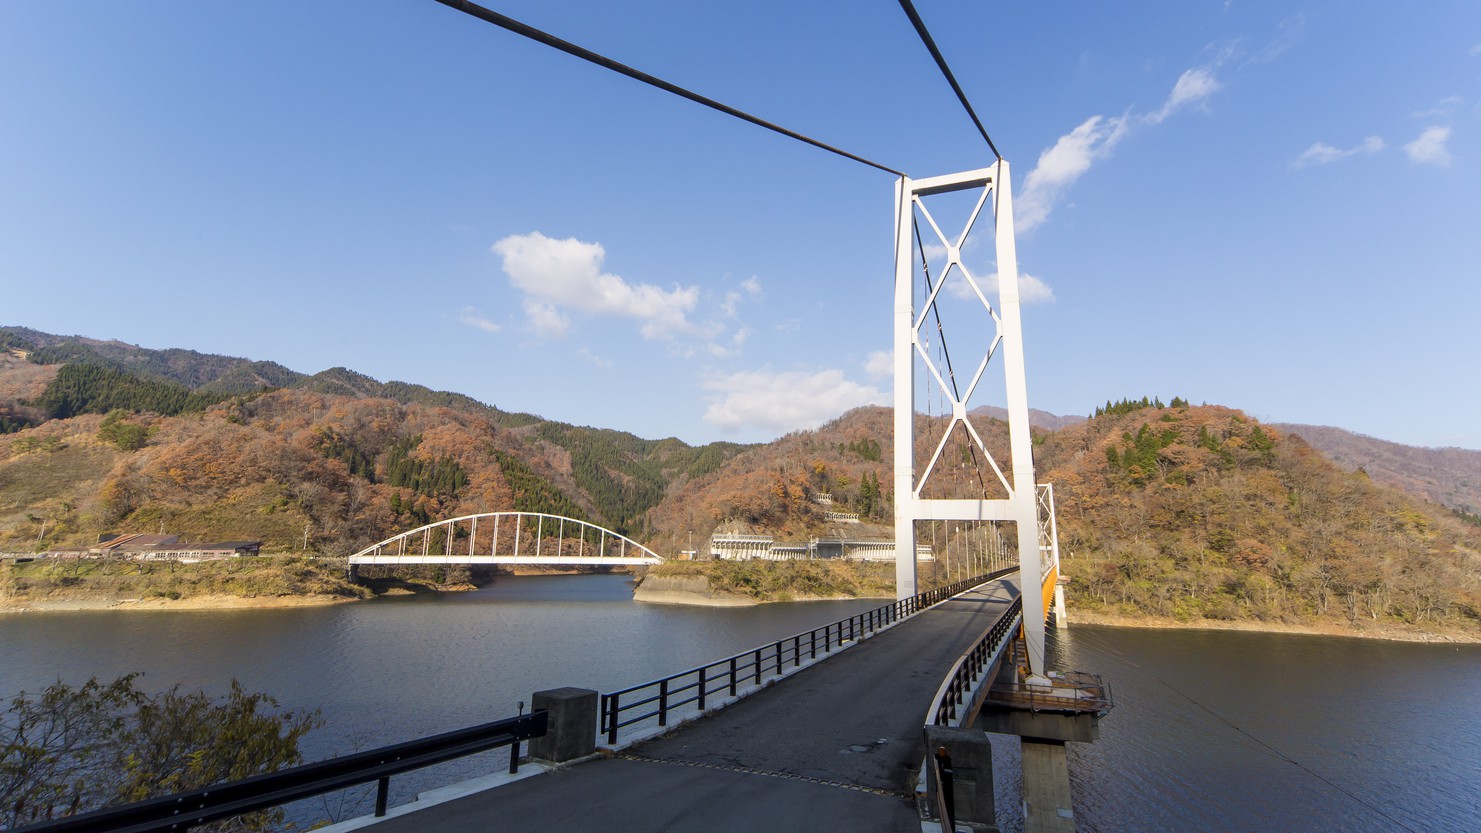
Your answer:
<point x="915" y="325"/>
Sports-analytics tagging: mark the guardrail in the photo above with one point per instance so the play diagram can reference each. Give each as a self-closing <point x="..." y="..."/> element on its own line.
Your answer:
<point x="182" y="811"/>
<point x="970" y="667"/>
<point x="750" y="669"/>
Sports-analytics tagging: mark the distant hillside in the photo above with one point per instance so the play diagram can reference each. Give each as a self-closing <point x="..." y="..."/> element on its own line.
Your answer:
<point x="104" y="437"/>
<point x="1195" y="513"/>
<point x="1192" y="513"/>
<point x="1203" y="513"/>
<point x="1448" y="476"/>
<point x="1036" y="417"/>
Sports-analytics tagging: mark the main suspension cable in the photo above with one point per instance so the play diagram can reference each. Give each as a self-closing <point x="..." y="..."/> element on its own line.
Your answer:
<point x="925" y="36"/>
<point x="524" y="30"/>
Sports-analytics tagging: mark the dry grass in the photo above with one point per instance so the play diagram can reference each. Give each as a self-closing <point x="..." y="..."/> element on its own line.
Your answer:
<point x="252" y="577"/>
<point x="780" y="581"/>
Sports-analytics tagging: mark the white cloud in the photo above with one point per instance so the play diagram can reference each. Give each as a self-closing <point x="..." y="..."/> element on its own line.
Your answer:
<point x="1192" y="88"/>
<point x="470" y="316"/>
<point x="1323" y="154"/>
<point x="556" y="275"/>
<point x="1059" y="167"/>
<point x="546" y="320"/>
<point x="880" y="364"/>
<point x="596" y="360"/>
<point x="781" y="402"/>
<point x="1031" y="290"/>
<point x="1095" y="138"/>
<point x="1476" y="50"/>
<point x="1429" y="148"/>
<point x="738" y="340"/>
<point x="752" y="287"/>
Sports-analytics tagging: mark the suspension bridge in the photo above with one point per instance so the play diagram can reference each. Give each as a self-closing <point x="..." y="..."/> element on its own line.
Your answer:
<point x="771" y="760"/>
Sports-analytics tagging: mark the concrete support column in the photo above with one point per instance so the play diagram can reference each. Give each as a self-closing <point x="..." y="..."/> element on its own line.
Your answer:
<point x="572" y="731"/>
<point x="1046" y="789"/>
<point x="971" y="763"/>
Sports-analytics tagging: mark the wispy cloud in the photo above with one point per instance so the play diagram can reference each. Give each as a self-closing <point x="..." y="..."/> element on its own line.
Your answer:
<point x="1061" y="165"/>
<point x="470" y="316"/>
<point x="880" y="365"/>
<point x="1430" y="148"/>
<point x="1476" y="50"/>
<point x="1073" y="154"/>
<point x="1290" y="32"/>
<point x="1192" y="89"/>
<point x="557" y="276"/>
<point x="778" y="402"/>
<point x="1324" y="154"/>
<point x="1443" y="109"/>
<point x="1031" y="290"/>
<point x="595" y="359"/>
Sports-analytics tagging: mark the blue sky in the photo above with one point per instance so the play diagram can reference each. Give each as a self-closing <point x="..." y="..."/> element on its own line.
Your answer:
<point x="1268" y="206"/>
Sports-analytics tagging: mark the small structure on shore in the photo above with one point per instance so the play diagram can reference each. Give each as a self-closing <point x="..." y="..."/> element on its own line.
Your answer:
<point x="738" y="547"/>
<point x="152" y="547"/>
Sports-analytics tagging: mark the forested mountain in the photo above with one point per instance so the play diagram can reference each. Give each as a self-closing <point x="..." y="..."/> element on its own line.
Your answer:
<point x="339" y="457"/>
<point x="1448" y="476"/>
<point x="1183" y="511"/>
<point x="1201" y="512"/>
<point x="1188" y="512"/>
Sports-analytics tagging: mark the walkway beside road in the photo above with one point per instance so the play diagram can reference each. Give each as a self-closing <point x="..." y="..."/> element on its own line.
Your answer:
<point x="834" y="747"/>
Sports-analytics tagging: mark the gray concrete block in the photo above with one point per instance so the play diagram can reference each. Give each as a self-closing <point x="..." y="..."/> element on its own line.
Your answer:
<point x="971" y="760"/>
<point x="572" y="731"/>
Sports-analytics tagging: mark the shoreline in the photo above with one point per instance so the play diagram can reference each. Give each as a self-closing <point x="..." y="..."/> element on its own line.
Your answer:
<point x="1389" y="633"/>
<point x="205" y="602"/>
<point x="691" y="596"/>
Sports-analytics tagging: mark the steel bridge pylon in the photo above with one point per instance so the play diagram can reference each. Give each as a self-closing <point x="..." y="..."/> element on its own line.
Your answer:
<point x="508" y="538"/>
<point x="1038" y="557"/>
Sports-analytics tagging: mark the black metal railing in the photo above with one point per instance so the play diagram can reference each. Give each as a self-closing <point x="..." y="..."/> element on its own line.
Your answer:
<point x="260" y="792"/>
<point x="972" y="665"/>
<point x="749" y="670"/>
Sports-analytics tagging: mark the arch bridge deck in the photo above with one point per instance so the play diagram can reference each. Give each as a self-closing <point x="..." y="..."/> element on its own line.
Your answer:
<point x="534" y="538"/>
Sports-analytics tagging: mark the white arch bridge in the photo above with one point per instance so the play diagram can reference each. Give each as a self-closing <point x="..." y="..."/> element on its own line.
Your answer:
<point x="508" y="538"/>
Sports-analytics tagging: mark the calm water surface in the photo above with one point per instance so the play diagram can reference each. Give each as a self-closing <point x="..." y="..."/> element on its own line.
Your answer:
<point x="394" y="669"/>
<point x="1212" y="731"/>
<point x="1234" y="731"/>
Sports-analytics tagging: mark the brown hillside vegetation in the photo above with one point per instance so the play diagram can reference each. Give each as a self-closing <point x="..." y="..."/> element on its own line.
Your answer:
<point x="1448" y="476"/>
<point x="774" y="488"/>
<point x="349" y="471"/>
<point x="1202" y="513"/>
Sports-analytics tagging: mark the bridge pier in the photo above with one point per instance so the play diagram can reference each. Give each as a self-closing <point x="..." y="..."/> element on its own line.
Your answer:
<point x="1046" y="788"/>
<point x="1066" y="708"/>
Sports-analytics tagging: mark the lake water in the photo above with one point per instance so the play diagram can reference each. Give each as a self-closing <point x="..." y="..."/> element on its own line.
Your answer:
<point x="1237" y="731"/>
<point x="1213" y="731"/>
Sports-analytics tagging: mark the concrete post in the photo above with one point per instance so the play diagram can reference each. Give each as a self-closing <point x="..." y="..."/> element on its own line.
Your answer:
<point x="572" y="731"/>
<point x="971" y="760"/>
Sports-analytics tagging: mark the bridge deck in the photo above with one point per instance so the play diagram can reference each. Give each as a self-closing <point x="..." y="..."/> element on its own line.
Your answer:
<point x="836" y="747"/>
